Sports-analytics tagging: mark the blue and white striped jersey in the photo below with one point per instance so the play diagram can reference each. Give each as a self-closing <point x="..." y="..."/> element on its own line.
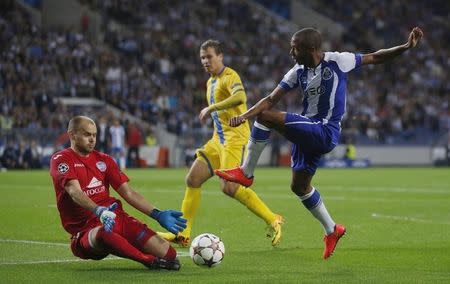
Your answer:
<point x="324" y="87"/>
<point x="117" y="136"/>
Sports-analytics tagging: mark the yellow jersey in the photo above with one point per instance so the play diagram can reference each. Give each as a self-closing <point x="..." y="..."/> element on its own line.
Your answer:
<point x="219" y="88"/>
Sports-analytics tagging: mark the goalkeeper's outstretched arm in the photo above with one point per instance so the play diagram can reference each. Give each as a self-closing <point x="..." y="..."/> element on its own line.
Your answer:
<point x="73" y="188"/>
<point x="169" y="219"/>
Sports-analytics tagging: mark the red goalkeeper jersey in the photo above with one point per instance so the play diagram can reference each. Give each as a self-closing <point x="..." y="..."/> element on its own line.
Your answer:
<point x="95" y="173"/>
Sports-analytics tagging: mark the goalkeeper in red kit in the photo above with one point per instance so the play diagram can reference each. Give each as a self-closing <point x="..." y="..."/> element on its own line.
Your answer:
<point x="96" y="221"/>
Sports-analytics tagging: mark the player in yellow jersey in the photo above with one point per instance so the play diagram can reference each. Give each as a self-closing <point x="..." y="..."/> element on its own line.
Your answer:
<point x="226" y="98"/>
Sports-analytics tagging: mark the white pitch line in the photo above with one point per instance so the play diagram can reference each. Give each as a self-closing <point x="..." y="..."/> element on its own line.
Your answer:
<point x="179" y="253"/>
<point x="183" y="254"/>
<point x="289" y="195"/>
<point x="406" y="218"/>
<point x="342" y="189"/>
<point x="33" y="242"/>
<point x="53" y="261"/>
<point x="436" y="190"/>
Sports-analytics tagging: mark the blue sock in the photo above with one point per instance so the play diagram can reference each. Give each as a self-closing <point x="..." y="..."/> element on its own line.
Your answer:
<point x="258" y="140"/>
<point x="313" y="202"/>
<point x="260" y="133"/>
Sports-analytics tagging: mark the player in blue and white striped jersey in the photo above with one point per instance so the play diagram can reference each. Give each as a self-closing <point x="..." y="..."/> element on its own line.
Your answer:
<point x="117" y="133"/>
<point x="322" y="76"/>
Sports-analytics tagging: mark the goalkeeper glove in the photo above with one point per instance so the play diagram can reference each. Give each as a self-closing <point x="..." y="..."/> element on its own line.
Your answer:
<point x="170" y="220"/>
<point x="107" y="216"/>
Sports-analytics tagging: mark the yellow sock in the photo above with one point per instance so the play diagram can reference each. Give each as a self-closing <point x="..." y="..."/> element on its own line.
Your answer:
<point x="189" y="208"/>
<point x="249" y="198"/>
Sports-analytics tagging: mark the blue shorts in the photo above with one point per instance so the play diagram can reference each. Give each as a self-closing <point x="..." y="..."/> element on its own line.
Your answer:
<point x="311" y="139"/>
<point x="116" y="150"/>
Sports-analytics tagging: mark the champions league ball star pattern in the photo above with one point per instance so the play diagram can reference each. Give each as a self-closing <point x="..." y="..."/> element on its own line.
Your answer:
<point x="63" y="168"/>
<point x="207" y="250"/>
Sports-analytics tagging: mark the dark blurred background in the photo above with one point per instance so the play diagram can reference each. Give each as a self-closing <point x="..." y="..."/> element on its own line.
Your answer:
<point x="137" y="63"/>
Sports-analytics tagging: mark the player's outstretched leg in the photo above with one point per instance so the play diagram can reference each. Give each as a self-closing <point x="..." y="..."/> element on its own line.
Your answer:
<point x="259" y="138"/>
<point x="274" y="230"/>
<point x="251" y="200"/>
<point x="189" y="207"/>
<point x="118" y="245"/>
<point x="313" y="202"/>
<point x="332" y="239"/>
<point x="168" y="236"/>
<point x="235" y="175"/>
<point x="176" y="239"/>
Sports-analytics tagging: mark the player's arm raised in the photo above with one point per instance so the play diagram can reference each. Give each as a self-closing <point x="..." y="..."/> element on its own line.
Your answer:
<point x="169" y="219"/>
<point x="264" y="104"/>
<point x="384" y="55"/>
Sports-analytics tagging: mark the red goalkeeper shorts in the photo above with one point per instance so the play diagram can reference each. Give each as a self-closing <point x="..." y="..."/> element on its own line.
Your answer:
<point x="136" y="232"/>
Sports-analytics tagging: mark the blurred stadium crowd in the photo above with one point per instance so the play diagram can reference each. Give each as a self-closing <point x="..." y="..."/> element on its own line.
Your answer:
<point x="150" y="67"/>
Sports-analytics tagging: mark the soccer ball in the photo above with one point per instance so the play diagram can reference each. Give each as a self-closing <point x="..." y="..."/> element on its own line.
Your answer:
<point x="207" y="250"/>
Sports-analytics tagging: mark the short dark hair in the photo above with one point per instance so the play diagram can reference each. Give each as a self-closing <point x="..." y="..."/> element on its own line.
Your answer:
<point x="217" y="45"/>
<point x="75" y="122"/>
<point x="309" y="37"/>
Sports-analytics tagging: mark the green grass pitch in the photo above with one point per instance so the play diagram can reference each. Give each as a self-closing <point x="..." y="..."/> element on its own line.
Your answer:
<point x="398" y="222"/>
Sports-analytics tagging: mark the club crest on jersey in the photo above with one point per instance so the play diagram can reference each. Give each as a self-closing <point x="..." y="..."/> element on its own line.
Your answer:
<point x="327" y="74"/>
<point x="101" y="166"/>
<point x="63" y="168"/>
